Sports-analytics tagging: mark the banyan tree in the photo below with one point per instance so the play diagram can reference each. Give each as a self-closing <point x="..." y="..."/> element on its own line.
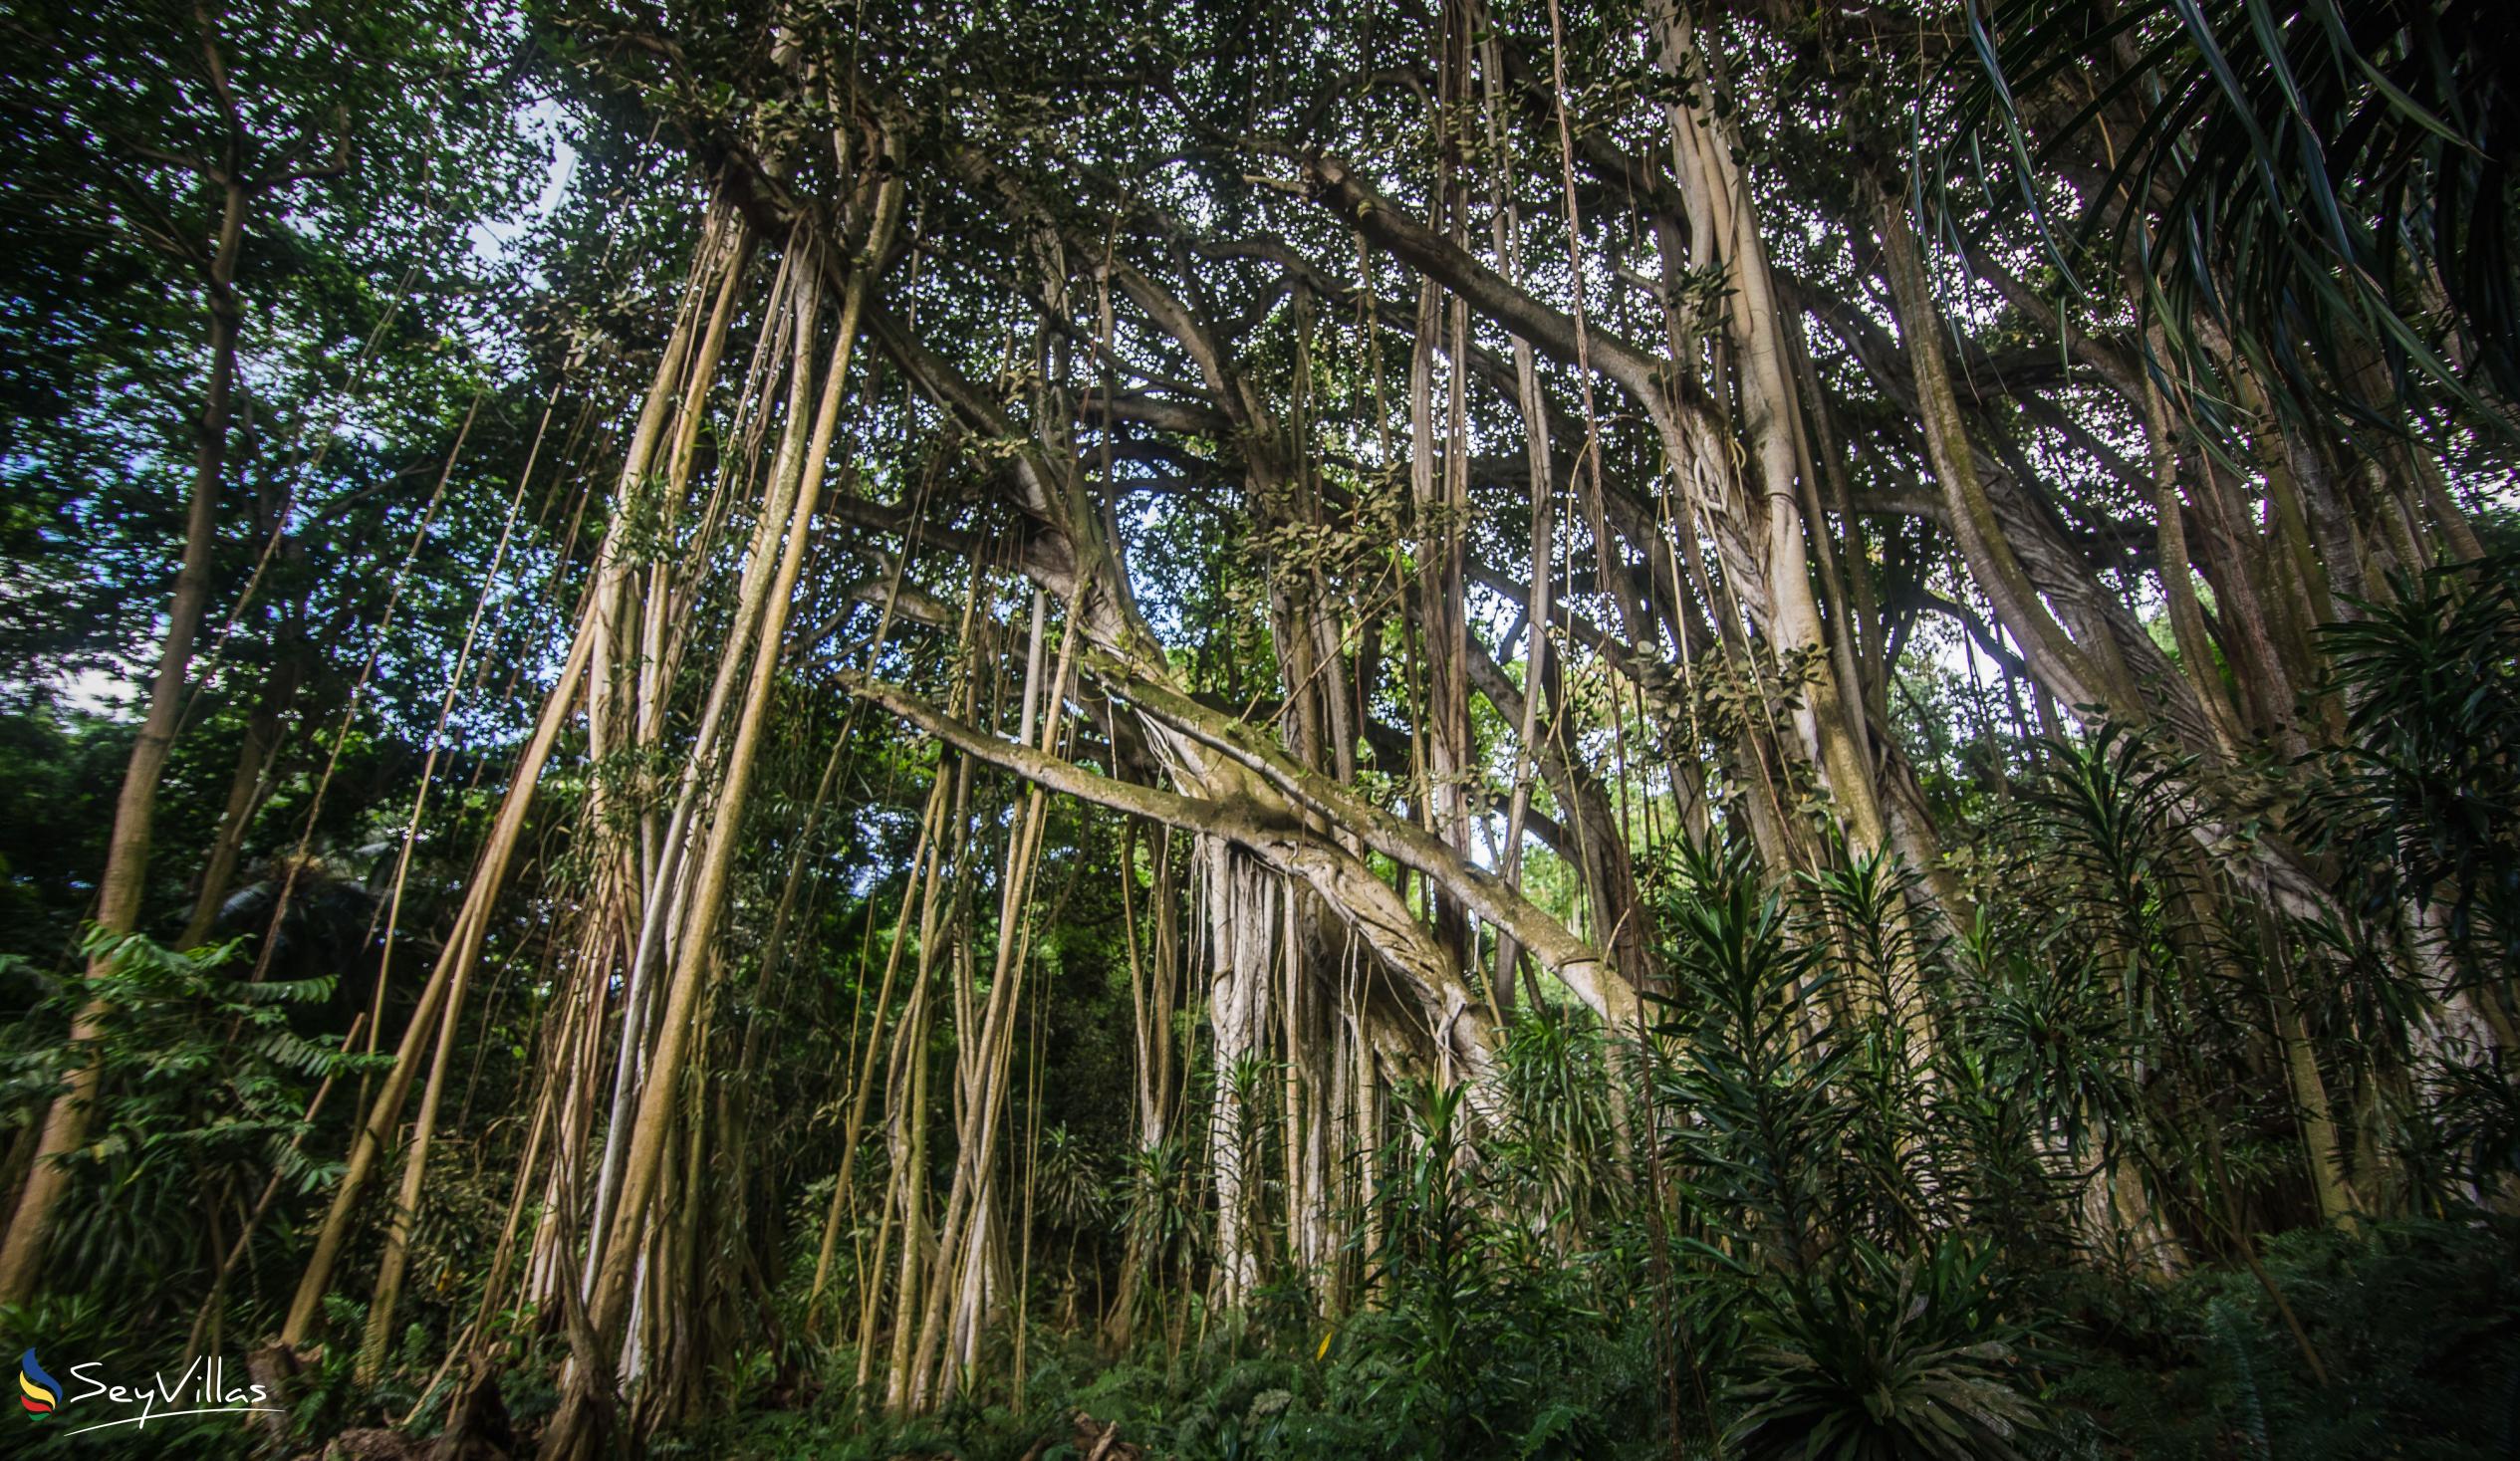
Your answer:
<point x="1089" y="676"/>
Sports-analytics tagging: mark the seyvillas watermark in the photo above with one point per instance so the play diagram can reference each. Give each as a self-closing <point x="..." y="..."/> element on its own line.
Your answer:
<point x="200" y="1388"/>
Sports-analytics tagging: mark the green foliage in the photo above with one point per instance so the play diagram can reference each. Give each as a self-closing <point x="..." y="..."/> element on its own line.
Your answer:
<point x="2304" y="166"/>
<point x="1561" y="1151"/>
<point x="56" y="774"/>
<point x="2053" y="1038"/>
<point x="1880" y="1358"/>
<point x="2418" y="1324"/>
<point x="204" y="1085"/>
<point x="363" y="150"/>
<point x="2423" y="797"/>
<point x="1756" y="1086"/>
<point x="1843" y="1329"/>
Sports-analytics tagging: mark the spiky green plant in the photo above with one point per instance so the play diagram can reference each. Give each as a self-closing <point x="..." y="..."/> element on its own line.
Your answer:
<point x="1066" y="1182"/>
<point x="2423" y="797"/>
<point x="1558" y="1154"/>
<point x="1875" y="1358"/>
<point x="1753" y="1078"/>
<point x="2314" y="183"/>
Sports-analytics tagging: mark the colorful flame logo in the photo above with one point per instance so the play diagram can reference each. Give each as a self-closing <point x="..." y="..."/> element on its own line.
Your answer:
<point x="42" y="1391"/>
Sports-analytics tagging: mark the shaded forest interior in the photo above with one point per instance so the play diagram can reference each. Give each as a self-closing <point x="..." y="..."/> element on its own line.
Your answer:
<point x="1263" y="728"/>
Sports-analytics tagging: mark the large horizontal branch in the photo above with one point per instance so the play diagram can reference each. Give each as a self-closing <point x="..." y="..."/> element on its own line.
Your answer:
<point x="1363" y="901"/>
<point x="1550" y="332"/>
<point x="1164" y="415"/>
<point x="1584" y="969"/>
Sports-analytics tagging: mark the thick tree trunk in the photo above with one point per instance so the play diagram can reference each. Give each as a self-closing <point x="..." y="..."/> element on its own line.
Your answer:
<point x="2060" y="663"/>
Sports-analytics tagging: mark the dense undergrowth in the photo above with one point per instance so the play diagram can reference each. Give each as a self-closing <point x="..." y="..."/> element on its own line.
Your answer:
<point x="2418" y="1325"/>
